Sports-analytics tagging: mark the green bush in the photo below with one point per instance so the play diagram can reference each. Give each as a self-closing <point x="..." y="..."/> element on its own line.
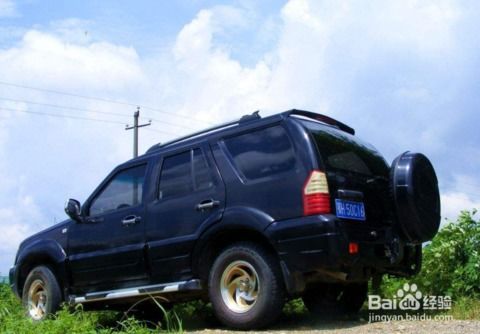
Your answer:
<point x="451" y="266"/>
<point x="451" y="262"/>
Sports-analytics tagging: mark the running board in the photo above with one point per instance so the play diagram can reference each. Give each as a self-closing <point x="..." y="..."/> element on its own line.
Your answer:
<point x="193" y="284"/>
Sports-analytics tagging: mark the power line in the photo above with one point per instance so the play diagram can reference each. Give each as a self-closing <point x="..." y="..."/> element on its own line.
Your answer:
<point x="97" y="99"/>
<point x="62" y="116"/>
<point x="91" y="111"/>
<point x="76" y="118"/>
<point x="63" y="107"/>
<point x="66" y="93"/>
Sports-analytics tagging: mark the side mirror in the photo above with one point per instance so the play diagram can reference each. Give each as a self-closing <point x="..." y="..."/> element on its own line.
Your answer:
<point x="72" y="209"/>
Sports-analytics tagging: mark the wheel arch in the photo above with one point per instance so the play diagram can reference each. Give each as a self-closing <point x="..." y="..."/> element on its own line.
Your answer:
<point x="237" y="224"/>
<point x="43" y="252"/>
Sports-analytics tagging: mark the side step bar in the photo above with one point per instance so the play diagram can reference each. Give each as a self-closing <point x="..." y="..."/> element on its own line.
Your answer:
<point x="193" y="284"/>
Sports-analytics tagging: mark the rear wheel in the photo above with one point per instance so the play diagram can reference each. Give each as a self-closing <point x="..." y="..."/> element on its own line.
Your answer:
<point x="41" y="293"/>
<point x="327" y="299"/>
<point x="245" y="287"/>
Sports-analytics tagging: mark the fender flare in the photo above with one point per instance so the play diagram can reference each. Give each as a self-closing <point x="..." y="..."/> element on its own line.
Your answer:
<point x="233" y="218"/>
<point x="40" y="251"/>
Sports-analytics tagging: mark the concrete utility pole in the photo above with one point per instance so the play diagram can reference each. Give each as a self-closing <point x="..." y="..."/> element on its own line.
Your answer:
<point x="135" y="127"/>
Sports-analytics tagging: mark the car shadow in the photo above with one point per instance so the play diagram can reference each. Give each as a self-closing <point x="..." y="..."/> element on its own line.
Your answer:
<point x="295" y="322"/>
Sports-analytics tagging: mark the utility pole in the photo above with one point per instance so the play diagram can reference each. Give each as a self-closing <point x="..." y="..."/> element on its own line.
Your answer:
<point x="135" y="127"/>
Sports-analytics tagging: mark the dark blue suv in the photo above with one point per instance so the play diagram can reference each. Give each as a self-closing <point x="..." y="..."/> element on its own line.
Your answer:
<point x="247" y="215"/>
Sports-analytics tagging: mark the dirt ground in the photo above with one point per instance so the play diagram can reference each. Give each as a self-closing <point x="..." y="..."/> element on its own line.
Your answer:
<point x="357" y="326"/>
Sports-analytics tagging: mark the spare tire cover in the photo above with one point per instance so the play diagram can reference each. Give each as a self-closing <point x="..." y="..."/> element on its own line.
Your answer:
<point x="416" y="197"/>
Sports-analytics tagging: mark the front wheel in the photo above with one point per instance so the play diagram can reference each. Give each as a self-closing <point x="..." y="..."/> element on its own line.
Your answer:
<point x="41" y="293"/>
<point x="246" y="287"/>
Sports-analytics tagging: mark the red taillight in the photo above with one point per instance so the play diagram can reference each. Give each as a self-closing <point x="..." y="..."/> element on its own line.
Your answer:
<point x="316" y="198"/>
<point x="353" y="248"/>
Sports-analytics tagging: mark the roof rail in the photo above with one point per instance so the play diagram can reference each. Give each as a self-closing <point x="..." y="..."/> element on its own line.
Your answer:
<point x="321" y="118"/>
<point x="245" y="118"/>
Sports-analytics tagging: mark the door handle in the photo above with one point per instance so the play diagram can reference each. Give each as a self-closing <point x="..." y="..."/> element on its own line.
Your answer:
<point x="131" y="220"/>
<point x="207" y="204"/>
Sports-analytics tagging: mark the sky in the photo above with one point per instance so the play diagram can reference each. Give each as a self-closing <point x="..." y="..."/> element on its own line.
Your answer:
<point x="404" y="74"/>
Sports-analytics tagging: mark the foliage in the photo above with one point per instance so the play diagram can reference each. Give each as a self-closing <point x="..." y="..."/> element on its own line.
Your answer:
<point x="466" y="309"/>
<point x="451" y="262"/>
<point x="451" y="266"/>
<point x="294" y="307"/>
<point x="13" y="320"/>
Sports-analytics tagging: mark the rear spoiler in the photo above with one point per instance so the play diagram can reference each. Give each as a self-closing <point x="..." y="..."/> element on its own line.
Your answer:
<point x="320" y="118"/>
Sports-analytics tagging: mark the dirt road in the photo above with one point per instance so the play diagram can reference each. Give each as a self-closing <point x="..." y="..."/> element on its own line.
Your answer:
<point x="362" y="326"/>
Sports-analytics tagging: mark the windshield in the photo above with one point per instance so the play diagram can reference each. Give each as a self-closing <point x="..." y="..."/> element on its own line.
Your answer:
<point x="344" y="152"/>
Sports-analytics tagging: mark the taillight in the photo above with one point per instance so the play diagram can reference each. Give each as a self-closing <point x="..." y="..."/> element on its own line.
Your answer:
<point x="316" y="198"/>
<point x="353" y="248"/>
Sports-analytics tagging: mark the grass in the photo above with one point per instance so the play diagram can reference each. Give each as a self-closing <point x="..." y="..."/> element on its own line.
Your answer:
<point x="466" y="309"/>
<point x="199" y="315"/>
<point x="77" y="321"/>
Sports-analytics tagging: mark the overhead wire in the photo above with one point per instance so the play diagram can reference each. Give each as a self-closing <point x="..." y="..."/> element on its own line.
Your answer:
<point x="91" y="111"/>
<point x="62" y="115"/>
<point x="98" y="99"/>
<point x="64" y="107"/>
<point x="76" y="118"/>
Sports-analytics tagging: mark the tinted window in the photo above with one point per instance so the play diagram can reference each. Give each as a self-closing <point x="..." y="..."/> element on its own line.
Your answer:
<point x="203" y="176"/>
<point x="176" y="175"/>
<point x="342" y="151"/>
<point x="262" y="153"/>
<point x="184" y="173"/>
<point x="124" y="190"/>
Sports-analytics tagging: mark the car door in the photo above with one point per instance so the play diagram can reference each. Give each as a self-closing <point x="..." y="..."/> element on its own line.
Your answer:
<point x="107" y="248"/>
<point x="190" y="196"/>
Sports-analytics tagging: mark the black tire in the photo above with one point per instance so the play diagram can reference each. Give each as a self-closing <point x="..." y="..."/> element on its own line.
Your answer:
<point x="328" y="299"/>
<point x="416" y="197"/>
<point x="261" y="299"/>
<point x="41" y="293"/>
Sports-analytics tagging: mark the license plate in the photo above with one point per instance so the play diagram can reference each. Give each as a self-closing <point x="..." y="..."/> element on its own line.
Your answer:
<point x="349" y="209"/>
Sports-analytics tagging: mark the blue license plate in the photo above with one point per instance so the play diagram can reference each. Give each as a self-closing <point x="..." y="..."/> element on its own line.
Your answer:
<point x="349" y="209"/>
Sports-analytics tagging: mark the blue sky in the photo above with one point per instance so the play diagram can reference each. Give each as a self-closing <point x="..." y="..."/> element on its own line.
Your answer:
<point x="404" y="74"/>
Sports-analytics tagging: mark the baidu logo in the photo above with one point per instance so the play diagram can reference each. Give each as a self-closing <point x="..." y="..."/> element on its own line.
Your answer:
<point x="409" y="298"/>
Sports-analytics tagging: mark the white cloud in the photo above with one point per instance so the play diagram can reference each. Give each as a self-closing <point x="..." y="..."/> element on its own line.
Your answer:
<point x="455" y="202"/>
<point x="20" y="217"/>
<point x="52" y="62"/>
<point x="25" y="217"/>
<point x="384" y="67"/>
<point x="210" y="81"/>
<point x="462" y="193"/>
<point x="45" y="160"/>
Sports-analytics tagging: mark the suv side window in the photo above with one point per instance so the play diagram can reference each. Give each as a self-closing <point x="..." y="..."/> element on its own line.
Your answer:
<point x="125" y="189"/>
<point x="202" y="175"/>
<point x="184" y="173"/>
<point x="262" y="152"/>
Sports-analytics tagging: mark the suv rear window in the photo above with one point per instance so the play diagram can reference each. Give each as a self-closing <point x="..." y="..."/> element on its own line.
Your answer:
<point x="262" y="152"/>
<point x="184" y="173"/>
<point x="341" y="151"/>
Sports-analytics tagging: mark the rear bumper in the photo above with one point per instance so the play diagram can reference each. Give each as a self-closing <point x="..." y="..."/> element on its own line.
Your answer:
<point x="318" y="246"/>
<point x="12" y="277"/>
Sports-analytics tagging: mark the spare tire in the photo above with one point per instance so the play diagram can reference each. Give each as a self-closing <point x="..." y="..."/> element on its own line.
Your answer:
<point x="416" y="197"/>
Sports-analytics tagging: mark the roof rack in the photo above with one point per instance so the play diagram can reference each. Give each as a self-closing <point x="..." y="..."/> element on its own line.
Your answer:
<point x="245" y="118"/>
<point x="321" y="118"/>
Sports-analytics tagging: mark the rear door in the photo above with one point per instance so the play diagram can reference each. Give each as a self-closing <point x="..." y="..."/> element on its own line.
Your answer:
<point x="356" y="173"/>
<point x="190" y="195"/>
